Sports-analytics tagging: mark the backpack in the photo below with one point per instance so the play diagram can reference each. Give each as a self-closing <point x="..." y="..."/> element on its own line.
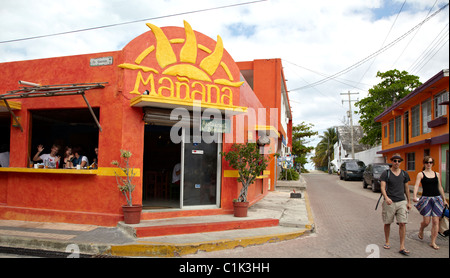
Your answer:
<point x="387" y="179"/>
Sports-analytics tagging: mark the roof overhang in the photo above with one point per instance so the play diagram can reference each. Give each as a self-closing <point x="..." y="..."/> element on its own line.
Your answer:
<point x="33" y="90"/>
<point x="172" y="103"/>
<point x="267" y="128"/>
<point x="441" y="139"/>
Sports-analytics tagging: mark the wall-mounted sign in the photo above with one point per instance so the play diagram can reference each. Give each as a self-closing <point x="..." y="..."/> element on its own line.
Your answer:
<point x="216" y="126"/>
<point x="102" y="61"/>
<point x="176" y="66"/>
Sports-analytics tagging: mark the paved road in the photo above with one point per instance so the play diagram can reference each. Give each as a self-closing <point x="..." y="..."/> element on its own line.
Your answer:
<point x="347" y="226"/>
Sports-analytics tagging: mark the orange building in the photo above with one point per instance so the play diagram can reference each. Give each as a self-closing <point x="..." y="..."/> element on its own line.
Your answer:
<point x="171" y="96"/>
<point x="417" y="126"/>
<point x="266" y="78"/>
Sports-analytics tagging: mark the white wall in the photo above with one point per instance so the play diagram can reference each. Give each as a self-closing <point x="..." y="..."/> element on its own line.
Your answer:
<point x="367" y="156"/>
<point x="370" y="156"/>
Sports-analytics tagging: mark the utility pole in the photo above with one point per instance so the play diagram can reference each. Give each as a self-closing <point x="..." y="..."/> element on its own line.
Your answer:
<point x="351" y="118"/>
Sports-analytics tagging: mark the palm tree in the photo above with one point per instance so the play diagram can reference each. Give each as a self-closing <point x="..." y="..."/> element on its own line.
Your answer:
<point x="324" y="149"/>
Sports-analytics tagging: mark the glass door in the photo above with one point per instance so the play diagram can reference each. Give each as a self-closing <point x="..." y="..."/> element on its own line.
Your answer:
<point x="200" y="172"/>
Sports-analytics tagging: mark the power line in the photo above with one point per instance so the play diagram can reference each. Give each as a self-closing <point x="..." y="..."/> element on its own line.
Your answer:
<point x="441" y="38"/>
<point x="322" y="74"/>
<point x="412" y="37"/>
<point x="381" y="50"/>
<point x="130" y="22"/>
<point x="339" y="105"/>
<point x="389" y="32"/>
<point x="443" y="43"/>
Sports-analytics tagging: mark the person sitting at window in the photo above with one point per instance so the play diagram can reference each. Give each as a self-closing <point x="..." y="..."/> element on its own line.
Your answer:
<point x="51" y="160"/>
<point x="94" y="164"/>
<point x="4" y="155"/>
<point x="79" y="159"/>
<point x="68" y="157"/>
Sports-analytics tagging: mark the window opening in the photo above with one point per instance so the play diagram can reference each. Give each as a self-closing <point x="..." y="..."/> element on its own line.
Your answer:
<point x="64" y="128"/>
<point x="440" y="110"/>
<point x="411" y="161"/>
<point x="5" y="123"/>
<point x="426" y="116"/>
<point x="415" y="121"/>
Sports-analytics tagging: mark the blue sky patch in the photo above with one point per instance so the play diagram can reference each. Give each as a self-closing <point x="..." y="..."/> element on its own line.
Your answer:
<point x="241" y="29"/>
<point x="389" y="8"/>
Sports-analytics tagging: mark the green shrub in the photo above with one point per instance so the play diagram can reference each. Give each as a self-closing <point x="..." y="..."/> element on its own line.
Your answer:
<point x="289" y="174"/>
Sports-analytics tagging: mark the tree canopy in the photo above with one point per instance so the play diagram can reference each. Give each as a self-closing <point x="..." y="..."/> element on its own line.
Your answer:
<point x="325" y="148"/>
<point x="300" y="134"/>
<point x="394" y="86"/>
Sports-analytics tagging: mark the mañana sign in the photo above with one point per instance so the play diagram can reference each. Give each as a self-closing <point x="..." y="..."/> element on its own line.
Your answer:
<point x="182" y="70"/>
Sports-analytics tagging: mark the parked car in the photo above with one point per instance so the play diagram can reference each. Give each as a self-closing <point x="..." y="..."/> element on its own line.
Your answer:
<point x="372" y="175"/>
<point x="352" y="169"/>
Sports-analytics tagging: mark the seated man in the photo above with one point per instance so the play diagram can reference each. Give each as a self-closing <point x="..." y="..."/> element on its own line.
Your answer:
<point x="50" y="159"/>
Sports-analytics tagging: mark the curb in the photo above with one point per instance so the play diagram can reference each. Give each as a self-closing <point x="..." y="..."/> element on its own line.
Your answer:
<point x="54" y="246"/>
<point x="175" y="250"/>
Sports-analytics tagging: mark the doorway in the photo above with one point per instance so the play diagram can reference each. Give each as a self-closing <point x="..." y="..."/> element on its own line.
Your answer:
<point x="161" y="188"/>
<point x="201" y="171"/>
<point x="183" y="175"/>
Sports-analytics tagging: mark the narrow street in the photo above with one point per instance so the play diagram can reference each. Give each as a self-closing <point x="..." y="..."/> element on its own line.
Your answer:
<point x="347" y="226"/>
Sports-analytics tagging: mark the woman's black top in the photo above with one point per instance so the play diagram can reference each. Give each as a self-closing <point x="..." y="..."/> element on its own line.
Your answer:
<point x="430" y="186"/>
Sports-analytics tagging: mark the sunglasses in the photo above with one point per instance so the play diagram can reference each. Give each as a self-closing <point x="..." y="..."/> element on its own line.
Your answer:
<point x="397" y="160"/>
<point x="429" y="162"/>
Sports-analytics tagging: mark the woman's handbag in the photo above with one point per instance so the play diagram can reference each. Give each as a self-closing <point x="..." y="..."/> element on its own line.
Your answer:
<point x="443" y="222"/>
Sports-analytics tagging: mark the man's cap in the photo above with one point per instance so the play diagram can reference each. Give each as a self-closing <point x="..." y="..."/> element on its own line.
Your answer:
<point x="396" y="157"/>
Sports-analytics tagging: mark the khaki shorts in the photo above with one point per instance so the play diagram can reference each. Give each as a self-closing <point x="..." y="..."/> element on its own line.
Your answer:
<point x="398" y="209"/>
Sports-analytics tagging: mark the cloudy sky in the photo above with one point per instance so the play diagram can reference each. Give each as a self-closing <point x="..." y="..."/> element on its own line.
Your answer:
<point x="328" y="47"/>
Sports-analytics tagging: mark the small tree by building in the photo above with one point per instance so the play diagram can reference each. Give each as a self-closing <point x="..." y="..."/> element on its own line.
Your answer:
<point x="249" y="162"/>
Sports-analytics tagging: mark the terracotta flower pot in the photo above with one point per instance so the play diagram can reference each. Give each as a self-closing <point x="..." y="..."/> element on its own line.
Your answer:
<point x="132" y="214"/>
<point x="240" y="209"/>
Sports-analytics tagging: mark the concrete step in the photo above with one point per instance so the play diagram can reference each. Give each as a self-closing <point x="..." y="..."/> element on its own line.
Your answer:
<point x="192" y="225"/>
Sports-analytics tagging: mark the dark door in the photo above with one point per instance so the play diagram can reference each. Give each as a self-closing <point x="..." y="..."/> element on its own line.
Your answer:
<point x="200" y="179"/>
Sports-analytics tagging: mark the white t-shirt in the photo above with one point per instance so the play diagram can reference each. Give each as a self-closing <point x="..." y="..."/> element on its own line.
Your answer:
<point x="4" y="159"/>
<point x="51" y="160"/>
<point x="175" y="176"/>
<point x="83" y="158"/>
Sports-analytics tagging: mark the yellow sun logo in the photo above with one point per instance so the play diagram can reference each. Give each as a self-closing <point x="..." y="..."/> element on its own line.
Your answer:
<point x="185" y="66"/>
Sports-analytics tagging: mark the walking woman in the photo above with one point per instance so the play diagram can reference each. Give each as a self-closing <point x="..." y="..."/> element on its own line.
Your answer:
<point x="431" y="204"/>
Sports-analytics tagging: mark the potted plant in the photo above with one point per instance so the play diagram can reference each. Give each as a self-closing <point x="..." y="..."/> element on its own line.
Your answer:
<point x="131" y="212"/>
<point x="250" y="164"/>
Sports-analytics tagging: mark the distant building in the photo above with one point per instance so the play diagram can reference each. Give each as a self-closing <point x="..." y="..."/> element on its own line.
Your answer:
<point x="343" y="147"/>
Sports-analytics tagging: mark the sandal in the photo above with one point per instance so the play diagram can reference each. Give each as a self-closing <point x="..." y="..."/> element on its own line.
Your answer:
<point x="420" y="236"/>
<point x="404" y="252"/>
<point x="386" y="246"/>
<point x="434" y="246"/>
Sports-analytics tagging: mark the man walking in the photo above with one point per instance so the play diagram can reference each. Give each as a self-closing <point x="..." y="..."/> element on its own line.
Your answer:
<point x="394" y="187"/>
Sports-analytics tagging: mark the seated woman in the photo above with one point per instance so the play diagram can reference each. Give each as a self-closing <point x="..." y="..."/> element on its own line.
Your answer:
<point x="79" y="159"/>
<point x="68" y="157"/>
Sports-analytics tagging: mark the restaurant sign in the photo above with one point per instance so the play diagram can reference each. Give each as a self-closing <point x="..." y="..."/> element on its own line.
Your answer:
<point x="184" y="70"/>
<point x="215" y="125"/>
